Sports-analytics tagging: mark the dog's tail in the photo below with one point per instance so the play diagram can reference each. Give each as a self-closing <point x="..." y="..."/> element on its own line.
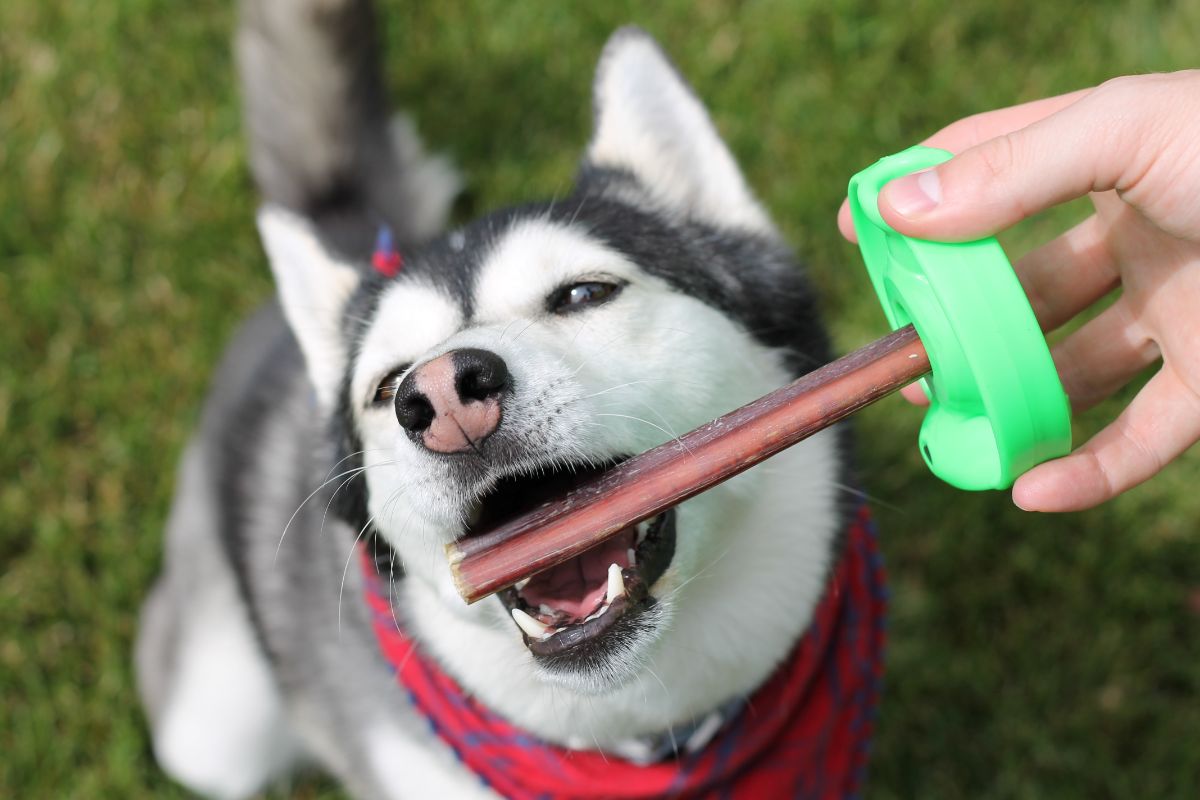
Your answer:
<point x="321" y="141"/>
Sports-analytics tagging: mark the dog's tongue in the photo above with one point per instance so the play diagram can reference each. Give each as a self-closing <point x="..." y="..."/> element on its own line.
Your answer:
<point x="577" y="587"/>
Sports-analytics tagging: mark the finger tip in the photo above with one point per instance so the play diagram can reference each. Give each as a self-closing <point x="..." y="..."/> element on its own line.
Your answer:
<point x="1023" y="499"/>
<point x="846" y="223"/>
<point x="903" y="225"/>
<point x="914" y="394"/>
<point x="1036" y="491"/>
<point x="1055" y="486"/>
<point x="914" y="205"/>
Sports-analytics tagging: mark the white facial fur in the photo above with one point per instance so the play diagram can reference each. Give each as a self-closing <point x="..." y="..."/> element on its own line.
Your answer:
<point x="615" y="379"/>
<point x="751" y="555"/>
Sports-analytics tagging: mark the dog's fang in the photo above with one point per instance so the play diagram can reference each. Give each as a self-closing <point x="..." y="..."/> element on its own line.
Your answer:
<point x="521" y="584"/>
<point x="533" y="629"/>
<point x="616" y="583"/>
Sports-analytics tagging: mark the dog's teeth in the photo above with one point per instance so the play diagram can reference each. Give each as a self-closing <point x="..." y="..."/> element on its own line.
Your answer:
<point x="533" y="629"/>
<point x="632" y="557"/>
<point x="616" y="583"/>
<point x="521" y="584"/>
<point x="643" y="529"/>
<point x="547" y="610"/>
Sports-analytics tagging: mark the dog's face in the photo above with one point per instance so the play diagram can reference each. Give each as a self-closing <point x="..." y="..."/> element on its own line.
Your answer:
<point x="521" y="354"/>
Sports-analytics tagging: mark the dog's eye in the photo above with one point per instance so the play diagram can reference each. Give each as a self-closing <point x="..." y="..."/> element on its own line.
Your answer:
<point x="385" y="392"/>
<point x="579" y="295"/>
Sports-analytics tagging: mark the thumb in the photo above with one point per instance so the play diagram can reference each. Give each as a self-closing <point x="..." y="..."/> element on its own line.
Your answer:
<point x="1082" y="148"/>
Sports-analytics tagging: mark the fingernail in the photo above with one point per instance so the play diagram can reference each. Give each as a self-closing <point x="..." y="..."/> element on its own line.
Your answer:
<point x="915" y="194"/>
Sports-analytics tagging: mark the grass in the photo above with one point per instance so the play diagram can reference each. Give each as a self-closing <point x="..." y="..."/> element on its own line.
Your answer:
<point x="1030" y="656"/>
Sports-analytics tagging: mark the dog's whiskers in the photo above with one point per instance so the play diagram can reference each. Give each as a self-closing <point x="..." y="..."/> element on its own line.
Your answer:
<point x="523" y="330"/>
<point x="667" y="693"/>
<point x="349" y="456"/>
<point x="602" y="346"/>
<point x="346" y="571"/>
<point x="578" y="209"/>
<point x="671" y="435"/>
<point x="868" y="497"/>
<point x="703" y="573"/>
<point x="354" y="547"/>
<point x="592" y="729"/>
<point x="504" y="332"/>
<point x="353" y="473"/>
<point x="618" y="386"/>
<point x="343" y="485"/>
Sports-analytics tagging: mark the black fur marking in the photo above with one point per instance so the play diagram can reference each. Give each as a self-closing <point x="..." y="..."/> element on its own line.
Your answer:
<point x="350" y="502"/>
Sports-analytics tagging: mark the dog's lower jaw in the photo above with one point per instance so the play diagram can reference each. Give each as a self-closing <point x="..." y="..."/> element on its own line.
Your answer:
<point x="640" y="632"/>
<point x="740" y="605"/>
<point x="465" y="637"/>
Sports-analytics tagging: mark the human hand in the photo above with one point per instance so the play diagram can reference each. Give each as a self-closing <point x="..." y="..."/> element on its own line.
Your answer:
<point x="1132" y="144"/>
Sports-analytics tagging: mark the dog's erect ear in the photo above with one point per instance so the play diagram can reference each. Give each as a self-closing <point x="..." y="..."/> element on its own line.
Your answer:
<point x="313" y="287"/>
<point x="649" y="123"/>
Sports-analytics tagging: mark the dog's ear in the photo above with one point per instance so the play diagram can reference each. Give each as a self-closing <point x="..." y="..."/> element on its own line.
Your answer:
<point x="313" y="288"/>
<point x="649" y="123"/>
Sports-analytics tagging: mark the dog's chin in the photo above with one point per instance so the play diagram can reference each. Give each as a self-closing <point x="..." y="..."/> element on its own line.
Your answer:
<point x="603" y="665"/>
<point x="590" y="622"/>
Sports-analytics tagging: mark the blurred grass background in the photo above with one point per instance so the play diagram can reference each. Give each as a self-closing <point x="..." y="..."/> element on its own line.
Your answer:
<point x="1030" y="656"/>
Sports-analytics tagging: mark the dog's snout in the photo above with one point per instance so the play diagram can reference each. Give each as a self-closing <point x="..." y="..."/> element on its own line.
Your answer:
<point x="453" y="403"/>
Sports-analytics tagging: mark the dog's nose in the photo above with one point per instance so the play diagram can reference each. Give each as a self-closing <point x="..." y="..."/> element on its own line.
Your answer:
<point x="452" y="403"/>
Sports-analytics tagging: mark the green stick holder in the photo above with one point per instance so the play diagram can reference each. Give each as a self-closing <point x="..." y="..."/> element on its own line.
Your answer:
<point x="996" y="405"/>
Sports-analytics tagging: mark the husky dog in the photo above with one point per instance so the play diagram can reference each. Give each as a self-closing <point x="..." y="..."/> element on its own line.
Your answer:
<point x="507" y="360"/>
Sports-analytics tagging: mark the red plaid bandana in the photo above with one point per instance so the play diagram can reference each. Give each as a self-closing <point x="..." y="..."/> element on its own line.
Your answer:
<point x="805" y="733"/>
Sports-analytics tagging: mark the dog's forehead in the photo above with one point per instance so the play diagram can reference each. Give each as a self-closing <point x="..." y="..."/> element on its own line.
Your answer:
<point x="410" y="318"/>
<point x="496" y="270"/>
<point x="536" y="256"/>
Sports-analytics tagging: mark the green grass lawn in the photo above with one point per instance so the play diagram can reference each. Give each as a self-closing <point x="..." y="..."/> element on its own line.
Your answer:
<point x="1029" y="656"/>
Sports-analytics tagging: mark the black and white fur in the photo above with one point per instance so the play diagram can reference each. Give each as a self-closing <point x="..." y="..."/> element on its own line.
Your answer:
<point x="255" y="654"/>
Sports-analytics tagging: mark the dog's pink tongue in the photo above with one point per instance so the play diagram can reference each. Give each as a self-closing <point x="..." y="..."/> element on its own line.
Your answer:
<point x="577" y="587"/>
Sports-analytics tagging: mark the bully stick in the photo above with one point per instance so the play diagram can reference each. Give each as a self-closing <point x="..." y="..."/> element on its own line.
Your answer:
<point x="650" y="483"/>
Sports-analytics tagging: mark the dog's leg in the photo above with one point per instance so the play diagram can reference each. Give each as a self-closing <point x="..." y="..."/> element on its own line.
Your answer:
<point x="218" y="721"/>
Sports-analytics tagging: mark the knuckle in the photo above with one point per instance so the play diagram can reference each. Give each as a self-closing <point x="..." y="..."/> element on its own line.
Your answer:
<point x="997" y="157"/>
<point x="1100" y="468"/>
<point x="1143" y="451"/>
<point x="998" y="164"/>
<point x="1128" y="91"/>
<point x="1146" y="123"/>
<point x="974" y="127"/>
<point x="1120" y="84"/>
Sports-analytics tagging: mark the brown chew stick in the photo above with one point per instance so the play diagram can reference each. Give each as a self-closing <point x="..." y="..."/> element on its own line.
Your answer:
<point x="650" y="483"/>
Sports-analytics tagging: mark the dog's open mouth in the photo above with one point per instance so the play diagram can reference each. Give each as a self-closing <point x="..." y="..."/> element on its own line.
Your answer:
<point x="579" y="602"/>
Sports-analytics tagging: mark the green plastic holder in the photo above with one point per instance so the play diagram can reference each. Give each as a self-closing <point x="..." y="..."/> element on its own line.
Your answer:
<point x="996" y="405"/>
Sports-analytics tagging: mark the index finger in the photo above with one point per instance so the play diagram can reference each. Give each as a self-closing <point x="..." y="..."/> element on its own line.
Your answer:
<point x="977" y="128"/>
